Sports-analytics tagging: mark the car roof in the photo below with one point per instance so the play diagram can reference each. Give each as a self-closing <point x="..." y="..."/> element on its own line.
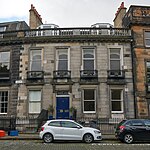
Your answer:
<point x="60" y="120"/>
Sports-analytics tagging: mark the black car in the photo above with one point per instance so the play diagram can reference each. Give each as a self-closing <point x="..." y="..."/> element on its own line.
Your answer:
<point x="132" y="130"/>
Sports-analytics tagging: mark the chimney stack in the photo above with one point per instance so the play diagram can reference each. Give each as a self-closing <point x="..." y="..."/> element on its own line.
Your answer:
<point x="119" y="16"/>
<point x="35" y="19"/>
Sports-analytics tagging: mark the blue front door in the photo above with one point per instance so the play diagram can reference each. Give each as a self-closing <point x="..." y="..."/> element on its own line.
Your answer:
<point x="62" y="107"/>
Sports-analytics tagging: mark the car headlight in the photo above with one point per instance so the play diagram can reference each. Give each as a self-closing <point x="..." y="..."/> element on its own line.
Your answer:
<point x="97" y="132"/>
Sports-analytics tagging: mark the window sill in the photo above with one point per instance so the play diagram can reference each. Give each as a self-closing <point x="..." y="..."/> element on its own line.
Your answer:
<point x="89" y="112"/>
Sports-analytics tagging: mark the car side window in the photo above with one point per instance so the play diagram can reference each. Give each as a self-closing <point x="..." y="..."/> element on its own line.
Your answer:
<point x="137" y="123"/>
<point x="55" y="124"/>
<point x="147" y="123"/>
<point x="68" y="124"/>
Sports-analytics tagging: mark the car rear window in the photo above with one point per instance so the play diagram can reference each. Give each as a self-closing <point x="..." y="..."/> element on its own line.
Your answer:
<point x="123" y="121"/>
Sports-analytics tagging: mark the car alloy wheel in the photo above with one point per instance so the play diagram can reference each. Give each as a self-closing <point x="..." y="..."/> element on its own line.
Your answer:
<point x="128" y="138"/>
<point x="48" y="138"/>
<point x="88" y="138"/>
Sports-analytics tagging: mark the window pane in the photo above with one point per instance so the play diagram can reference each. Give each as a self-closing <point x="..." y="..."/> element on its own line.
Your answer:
<point x="115" y="59"/>
<point x="115" y="51"/>
<point x="147" y="42"/>
<point x="115" y="56"/>
<point x="88" y="65"/>
<point x="3" y="101"/>
<point x="88" y="59"/>
<point x="5" y="56"/>
<point x="36" y="60"/>
<point x="116" y="94"/>
<point x="89" y="105"/>
<point x="147" y="34"/>
<point x="34" y="107"/>
<point x="36" y="66"/>
<point x="62" y="59"/>
<point x="63" y="65"/>
<point x="148" y="71"/>
<point x="4" y="61"/>
<point x="116" y="106"/>
<point x="89" y="94"/>
<point x="147" y="38"/>
<point x="88" y="53"/>
<point x="2" y="29"/>
<point x="64" y="56"/>
<point x="115" y="64"/>
<point x="35" y="95"/>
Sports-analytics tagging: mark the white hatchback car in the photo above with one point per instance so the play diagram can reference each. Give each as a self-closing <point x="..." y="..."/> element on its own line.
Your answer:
<point x="68" y="130"/>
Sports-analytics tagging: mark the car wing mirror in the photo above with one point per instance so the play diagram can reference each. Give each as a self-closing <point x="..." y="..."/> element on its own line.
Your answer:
<point x="79" y="127"/>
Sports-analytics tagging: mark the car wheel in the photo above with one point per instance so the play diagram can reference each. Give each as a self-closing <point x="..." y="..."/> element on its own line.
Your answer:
<point x="128" y="138"/>
<point x="88" y="138"/>
<point x="48" y="138"/>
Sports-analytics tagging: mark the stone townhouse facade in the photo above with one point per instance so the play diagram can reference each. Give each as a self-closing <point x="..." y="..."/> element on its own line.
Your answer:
<point x="137" y="18"/>
<point x="9" y="66"/>
<point x="77" y="68"/>
<point x="89" y="69"/>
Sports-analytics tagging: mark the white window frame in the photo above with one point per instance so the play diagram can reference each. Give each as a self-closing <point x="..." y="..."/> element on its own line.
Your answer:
<point x="121" y="101"/>
<point x="146" y="38"/>
<point x="31" y="57"/>
<point x="5" y="102"/>
<point x="121" y="56"/>
<point x="89" y="100"/>
<point x="57" y="56"/>
<point x="36" y="102"/>
<point x="88" y="48"/>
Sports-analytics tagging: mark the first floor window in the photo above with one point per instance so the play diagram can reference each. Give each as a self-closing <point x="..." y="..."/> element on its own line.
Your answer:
<point x="89" y="100"/>
<point x="35" y="101"/>
<point x="147" y="38"/>
<point x="3" y="101"/>
<point x="116" y="100"/>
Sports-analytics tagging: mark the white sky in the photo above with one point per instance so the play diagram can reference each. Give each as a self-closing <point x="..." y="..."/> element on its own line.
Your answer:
<point x="65" y="13"/>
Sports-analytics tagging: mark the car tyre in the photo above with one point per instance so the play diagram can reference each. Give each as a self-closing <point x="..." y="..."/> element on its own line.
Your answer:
<point x="128" y="138"/>
<point x="48" y="138"/>
<point x="88" y="138"/>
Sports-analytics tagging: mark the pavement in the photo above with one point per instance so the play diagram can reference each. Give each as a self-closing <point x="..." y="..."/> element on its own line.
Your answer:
<point x="35" y="136"/>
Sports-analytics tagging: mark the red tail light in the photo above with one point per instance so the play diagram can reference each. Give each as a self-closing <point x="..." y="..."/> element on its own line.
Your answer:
<point x="122" y="128"/>
<point x="42" y="128"/>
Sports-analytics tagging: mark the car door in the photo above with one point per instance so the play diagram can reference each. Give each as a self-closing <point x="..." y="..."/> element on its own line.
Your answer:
<point x="71" y="131"/>
<point x="55" y="128"/>
<point x="147" y="129"/>
<point x="138" y="129"/>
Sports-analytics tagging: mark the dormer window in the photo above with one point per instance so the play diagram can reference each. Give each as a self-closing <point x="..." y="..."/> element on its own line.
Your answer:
<point x="2" y="29"/>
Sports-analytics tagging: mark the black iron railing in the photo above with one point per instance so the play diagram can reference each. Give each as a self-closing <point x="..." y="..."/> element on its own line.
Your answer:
<point x="86" y="74"/>
<point x="35" y="75"/>
<point x="33" y="124"/>
<point x="4" y="75"/>
<point x="62" y="74"/>
<point x="116" y="74"/>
